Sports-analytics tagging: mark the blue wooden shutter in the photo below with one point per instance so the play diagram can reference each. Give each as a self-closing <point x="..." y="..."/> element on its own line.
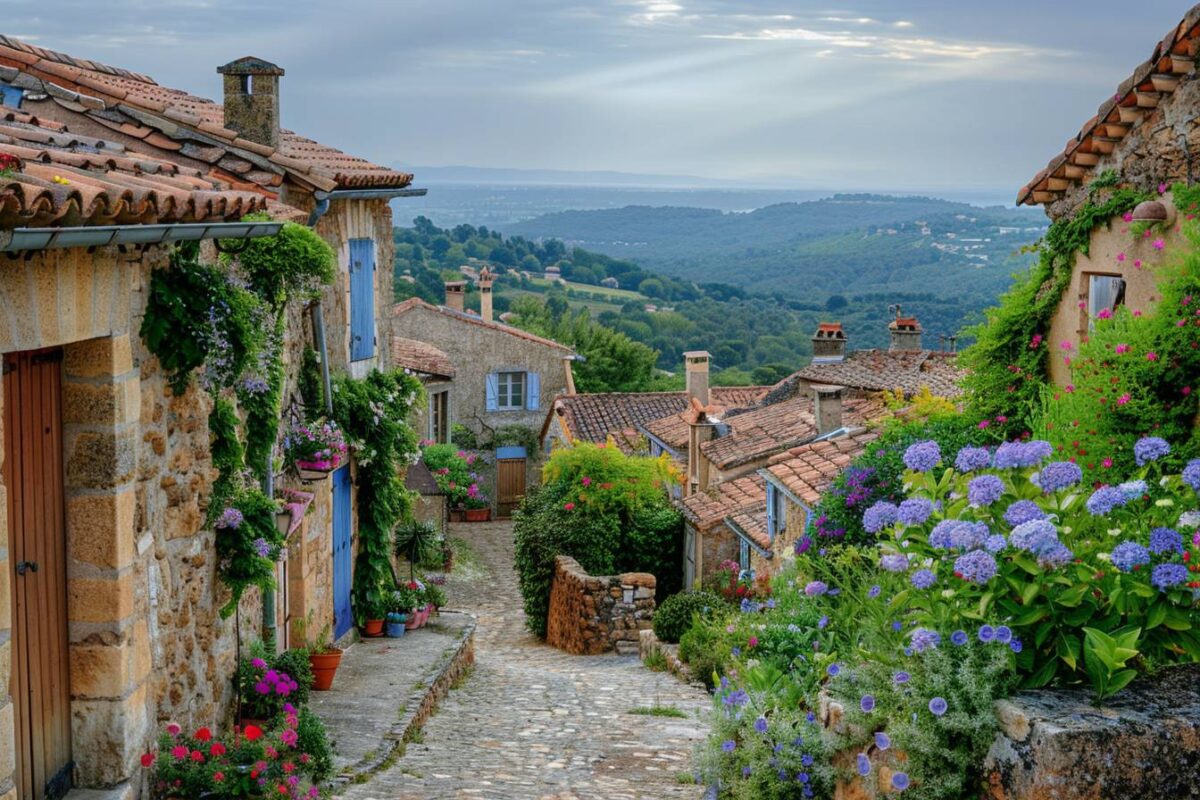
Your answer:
<point x="771" y="510"/>
<point x="533" y="390"/>
<point x="10" y="95"/>
<point x="492" y="385"/>
<point x="362" y="299"/>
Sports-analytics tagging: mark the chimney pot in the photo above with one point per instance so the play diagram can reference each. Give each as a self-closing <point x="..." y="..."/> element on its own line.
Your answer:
<point x="696" y="367"/>
<point x="829" y="343"/>
<point x="484" y="282"/>
<point x="252" y="99"/>
<point x="827" y="408"/>
<point x="455" y="294"/>
<point x="905" y="333"/>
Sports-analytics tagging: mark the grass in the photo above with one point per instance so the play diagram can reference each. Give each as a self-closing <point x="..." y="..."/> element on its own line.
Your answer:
<point x="684" y="778"/>
<point x="657" y="710"/>
<point x="463" y="677"/>
<point x="467" y="563"/>
<point x="655" y="661"/>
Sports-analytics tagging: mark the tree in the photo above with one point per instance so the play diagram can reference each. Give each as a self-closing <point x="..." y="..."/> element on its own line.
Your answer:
<point x="836" y="302"/>
<point x="652" y="287"/>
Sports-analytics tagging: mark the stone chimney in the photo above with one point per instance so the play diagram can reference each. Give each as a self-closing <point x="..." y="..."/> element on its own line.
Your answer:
<point x="570" y="373"/>
<point x="905" y="331"/>
<point x="696" y="365"/>
<point x="484" y="282"/>
<point x="455" y="294"/>
<point x="701" y="428"/>
<point x="827" y="408"/>
<point x="829" y="343"/>
<point x="252" y="99"/>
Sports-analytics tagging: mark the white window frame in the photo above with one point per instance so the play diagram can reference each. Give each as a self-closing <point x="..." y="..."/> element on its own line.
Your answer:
<point x="504" y="390"/>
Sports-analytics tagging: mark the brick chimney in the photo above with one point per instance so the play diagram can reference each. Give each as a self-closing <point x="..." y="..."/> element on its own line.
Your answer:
<point x="905" y="332"/>
<point x="484" y="282"/>
<point x="455" y="294"/>
<point x="696" y="366"/>
<point x="252" y="99"/>
<point x="829" y="343"/>
<point x="827" y="408"/>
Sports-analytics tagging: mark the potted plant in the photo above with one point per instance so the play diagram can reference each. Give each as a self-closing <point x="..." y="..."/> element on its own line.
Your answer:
<point x="323" y="657"/>
<point x="316" y="450"/>
<point x="292" y="506"/>
<point x="478" y="508"/>
<point x="435" y="595"/>
<point x="416" y="541"/>
<point x="404" y="600"/>
<point x="376" y="614"/>
<point x="396" y="624"/>
<point x="263" y="691"/>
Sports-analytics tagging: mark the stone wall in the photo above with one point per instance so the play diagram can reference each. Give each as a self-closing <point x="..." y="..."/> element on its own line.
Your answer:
<point x="594" y="614"/>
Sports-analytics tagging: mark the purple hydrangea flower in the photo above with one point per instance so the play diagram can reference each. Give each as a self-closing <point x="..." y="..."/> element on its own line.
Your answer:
<point x="970" y="459"/>
<point x="1029" y="535"/>
<point x="924" y="639"/>
<point x="816" y="588"/>
<point x="923" y="579"/>
<point x="901" y="677"/>
<point x="864" y="765"/>
<point x="729" y="745"/>
<point x="1191" y="474"/>
<point x="1128" y="555"/>
<point x="941" y="534"/>
<point x="958" y="638"/>
<point x="914" y="511"/>
<point x="1059" y="475"/>
<point x="1023" y="511"/>
<point x="833" y="670"/>
<point x="1018" y="455"/>
<point x="894" y="562"/>
<point x="261" y="547"/>
<point x="867" y="703"/>
<point x="1150" y="448"/>
<point x="977" y="566"/>
<point x="882" y="740"/>
<point x="875" y="591"/>
<point x="922" y="456"/>
<point x="1133" y="489"/>
<point x="802" y="545"/>
<point x="1015" y="645"/>
<point x="938" y="706"/>
<point x="1055" y="555"/>
<point x="984" y="490"/>
<point x="995" y="544"/>
<point x="969" y="535"/>
<point x="879" y="516"/>
<point x="1165" y="540"/>
<point x="1164" y="576"/>
<point x="1004" y="634"/>
<point x="823" y="622"/>
<point x="1105" y="499"/>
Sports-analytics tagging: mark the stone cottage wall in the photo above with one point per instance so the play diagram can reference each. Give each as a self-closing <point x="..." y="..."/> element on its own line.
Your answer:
<point x="594" y="614"/>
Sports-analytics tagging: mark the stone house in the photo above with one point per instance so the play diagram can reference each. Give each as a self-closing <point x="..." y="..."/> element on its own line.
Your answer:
<point x="109" y="601"/>
<point x="1145" y="134"/>
<point x="436" y="372"/>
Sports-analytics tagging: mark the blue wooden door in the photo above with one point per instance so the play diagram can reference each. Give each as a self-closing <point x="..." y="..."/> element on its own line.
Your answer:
<point x="362" y="299"/>
<point x="343" y="554"/>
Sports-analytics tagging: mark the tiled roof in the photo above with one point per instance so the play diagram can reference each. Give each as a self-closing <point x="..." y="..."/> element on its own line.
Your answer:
<point x="885" y="370"/>
<point x="173" y="120"/>
<point x="1153" y="80"/>
<point x="473" y="319"/>
<point x="592" y="417"/>
<point x="421" y="357"/>
<point x="65" y="179"/>
<point x="770" y="429"/>
<point x="675" y="429"/>
<point x="752" y="524"/>
<point x="808" y="471"/>
<point x="707" y="509"/>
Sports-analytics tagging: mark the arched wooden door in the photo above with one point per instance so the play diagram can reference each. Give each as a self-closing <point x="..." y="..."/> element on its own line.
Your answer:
<point x="33" y="474"/>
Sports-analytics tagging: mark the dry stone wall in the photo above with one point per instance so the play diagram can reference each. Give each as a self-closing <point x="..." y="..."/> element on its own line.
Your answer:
<point x="595" y="614"/>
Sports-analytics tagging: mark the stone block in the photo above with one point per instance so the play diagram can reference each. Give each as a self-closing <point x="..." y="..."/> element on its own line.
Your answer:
<point x="5" y="595"/>
<point x="108" y="737"/>
<point x="101" y="404"/>
<point x="101" y="529"/>
<point x="101" y="460"/>
<point x="5" y="664"/>
<point x="97" y="358"/>
<point x="100" y="599"/>
<point x="103" y="670"/>
<point x="8" y="746"/>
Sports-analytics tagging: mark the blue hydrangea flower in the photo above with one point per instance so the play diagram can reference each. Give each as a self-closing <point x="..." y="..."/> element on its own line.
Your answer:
<point x="995" y="544"/>
<point x="1023" y="511"/>
<point x="867" y="703"/>
<point x="816" y="588"/>
<point x="969" y="535"/>
<point x="899" y="781"/>
<point x="1018" y="455"/>
<point x="970" y="459"/>
<point x="984" y="490"/>
<point x="894" y="562"/>
<point x="958" y="638"/>
<point x="977" y="566"/>
<point x="987" y="634"/>
<point x="1191" y="474"/>
<point x="1128" y="555"/>
<point x="940" y="536"/>
<point x="864" y="765"/>
<point x="1059" y="475"/>
<point x="760" y="724"/>
<point x="1015" y="645"/>
<point x="922" y="456"/>
<point x="882" y="740"/>
<point x="833" y="670"/>
<point x="914" y="511"/>
<point x="1150" y="448"/>
<point x="923" y="579"/>
<point x="1164" y="576"/>
<point x="879" y="516"/>
<point x="1105" y="499"/>
<point x="1133" y="489"/>
<point x="1055" y="555"/>
<point x="1165" y="540"/>
<point x="924" y="639"/>
<point x="938" y="706"/>
<point x="1004" y="634"/>
<point x="1027" y="535"/>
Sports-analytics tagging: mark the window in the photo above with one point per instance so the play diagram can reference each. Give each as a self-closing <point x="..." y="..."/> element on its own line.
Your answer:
<point x="776" y="512"/>
<point x="744" y="560"/>
<point x="511" y="391"/>
<point x="1105" y="294"/>
<point x="439" y="417"/>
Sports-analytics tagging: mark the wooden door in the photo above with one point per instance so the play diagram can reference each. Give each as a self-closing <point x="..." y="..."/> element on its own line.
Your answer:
<point x="510" y="479"/>
<point x="343" y="554"/>
<point x="33" y="473"/>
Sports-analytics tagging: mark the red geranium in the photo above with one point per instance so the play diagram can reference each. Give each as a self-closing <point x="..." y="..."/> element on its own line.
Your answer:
<point x="253" y="733"/>
<point x="202" y="735"/>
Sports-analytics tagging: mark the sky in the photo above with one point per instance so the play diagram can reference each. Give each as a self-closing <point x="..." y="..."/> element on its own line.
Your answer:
<point x="877" y="94"/>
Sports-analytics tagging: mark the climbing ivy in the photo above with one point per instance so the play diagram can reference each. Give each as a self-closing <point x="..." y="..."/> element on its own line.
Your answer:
<point x="311" y="385"/>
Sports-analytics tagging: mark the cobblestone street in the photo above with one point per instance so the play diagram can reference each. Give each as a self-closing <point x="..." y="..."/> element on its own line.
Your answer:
<point x="533" y="722"/>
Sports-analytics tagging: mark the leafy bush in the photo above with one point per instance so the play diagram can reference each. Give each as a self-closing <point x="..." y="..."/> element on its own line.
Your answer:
<point x="313" y="739"/>
<point x="707" y="651"/>
<point x="674" y="616"/>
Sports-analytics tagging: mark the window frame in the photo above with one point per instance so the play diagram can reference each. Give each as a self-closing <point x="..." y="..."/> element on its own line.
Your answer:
<point x="505" y="382"/>
<point x="439" y="416"/>
<point x="779" y="513"/>
<point x="1087" y="311"/>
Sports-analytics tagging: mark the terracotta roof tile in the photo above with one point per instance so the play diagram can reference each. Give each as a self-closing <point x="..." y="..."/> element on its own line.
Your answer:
<point x="674" y="430"/>
<point x="415" y="302"/>
<point x="886" y="370"/>
<point x="421" y="357"/>
<point x="706" y="510"/>
<point x="808" y="471"/>
<point x="752" y="524"/>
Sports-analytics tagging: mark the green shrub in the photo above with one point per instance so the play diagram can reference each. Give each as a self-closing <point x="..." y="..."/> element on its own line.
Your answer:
<point x="707" y="652"/>
<point x="675" y="615"/>
<point x="313" y="739"/>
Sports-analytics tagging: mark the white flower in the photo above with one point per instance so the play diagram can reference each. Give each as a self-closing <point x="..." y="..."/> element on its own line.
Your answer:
<point x="1164" y="502"/>
<point x="1114" y="531"/>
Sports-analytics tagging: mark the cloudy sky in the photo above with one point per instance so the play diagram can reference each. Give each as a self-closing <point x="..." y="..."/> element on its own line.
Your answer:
<point x="886" y="94"/>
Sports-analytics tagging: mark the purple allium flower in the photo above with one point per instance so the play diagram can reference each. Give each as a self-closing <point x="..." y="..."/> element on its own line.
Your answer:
<point x="1165" y="540"/>
<point x="984" y="490"/>
<point x="1150" y="448"/>
<point x="1128" y="555"/>
<point x="230" y="518"/>
<point x="735" y="651"/>
<point x="938" y="706"/>
<point x="914" y="511"/>
<point x="864" y="765"/>
<point x="816" y="588"/>
<point x="1059" y="475"/>
<point x="258" y="663"/>
<point x="1105" y="499"/>
<point x="894" y="562"/>
<point x="867" y="703"/>
<point x="899" y="781"/>
<point x="977" y="566"/>
<point x="969" y="535"/>
<point x="995" y="544"/>
<point x="802" y="545"/>
<point x="987" y="634"/>
<point x="970" y="459"/>
<point x="1004" y="634"/>
<point x="924" y="639"/>
<point x="879" y="516"/>
<point x="941" y="534"/>
<point x="760" y="724"/>
<point x="901" y="677"/>
<point x="1023" y="511"/>
<point x="882" y="740"/>
<point x="1191" y="474"/>
<point x="833" y="670"/>
<point x="262" y="548"/>
<point x="922" y="456"/>
<point x="1165" y="576"/>
<point x="875" y="591"/>
<point x="729" y="745"/>
<point x="1015" y="645"/>
<point x="923" y="579"/>
<point x="1028" y="535"/>
<point x="958" y="638"/>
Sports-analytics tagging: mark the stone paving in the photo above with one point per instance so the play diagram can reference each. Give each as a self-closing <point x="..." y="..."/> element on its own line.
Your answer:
<point x="534" y="723"/>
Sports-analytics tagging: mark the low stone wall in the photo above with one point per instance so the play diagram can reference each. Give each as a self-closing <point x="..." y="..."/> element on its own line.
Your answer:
<point x="594" y="614"/>
<point x="649" y="645"/>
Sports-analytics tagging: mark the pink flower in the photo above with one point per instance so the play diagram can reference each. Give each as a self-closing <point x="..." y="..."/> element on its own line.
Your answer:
<point x="179" y="752"/>
<point x="586" y="481"/>
<point x="1137" y="263"/>
<point x="1162" y="188"/>
<point x="1159" y="244"/>
<point x="173" y="728"/>
<point x="1082" y="304"/>
<point x="1127" y="216"/>
<point x="1152" y="356"/>
<point x="983" y="423"/>
<point x="1186" y="301"/>
<point x="1065" y="345"/>
<point x="1035" y="342"/>
<point x="1123" y="399"/>
<point x="1122" y="348"/>
<point x="1182" y="323"/>
<point x="1070" y="388"/>
<point x="1001" y="419"/>
<point x="752" y="641"/>
<point x="1104" y="313"/>
<point x="1120" y="256"/>
<point x="569" y="506"/>
<point x="1187" y="390"/>
<point x="1137" y="312"/>
<point x="1107" y="463"/>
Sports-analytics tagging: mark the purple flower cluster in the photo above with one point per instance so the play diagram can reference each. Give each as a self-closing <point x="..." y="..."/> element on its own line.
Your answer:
<point x="995" y="544"/>
<point x="1150" y="448"/>
<point x="922" y="456"/>
<point x="914" y="511"/>
<point x="1105" y="499"/>
<point x="969" y="535"/>
<point x="1018" y="455"/>
<point x="1191" y="474"/>
<point x="923" y="579"/>
<point x="1129" y="555"/>
<point x="1040" y="538"/>
<point x="857" y="488"/>
<point x="970" y="459"/>
<point x="230" y="518"/>
<point x="894" y="562"/>
<point x="1164" y="541"/>
<point x="924" y="639"/>
<point x="816" y="588"/>
<point x="940" y="535"/>
<point x="276" y="683"/>
<point x="1059" y="475"/>
<point x="262" y="547"/>
<point x="977" y="566"/>
<point x="938" y="706"/>
<point x="1165" y="576"/>
<point x="879" y="516"/>
<point x="1023" y="511"/>
<point x="984" y="490"/>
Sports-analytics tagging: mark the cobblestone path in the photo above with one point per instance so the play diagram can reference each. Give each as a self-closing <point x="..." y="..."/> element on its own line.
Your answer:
<point x="534" y="723"/>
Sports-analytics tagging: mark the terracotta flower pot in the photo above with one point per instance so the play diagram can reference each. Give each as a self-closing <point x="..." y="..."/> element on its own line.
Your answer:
<point x="413" y="622"/>
<point x="478" y="514"/>
<point x="373" y="628"/>
<point x="324" y="666"/>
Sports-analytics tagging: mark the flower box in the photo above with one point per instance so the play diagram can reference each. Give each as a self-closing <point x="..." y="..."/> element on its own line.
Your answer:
<point x="478" y="514"/>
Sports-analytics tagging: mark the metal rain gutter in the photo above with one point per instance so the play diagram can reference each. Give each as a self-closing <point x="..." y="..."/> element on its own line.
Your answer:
<point x="323" y="198"/>
<point x="31" y="239"/>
